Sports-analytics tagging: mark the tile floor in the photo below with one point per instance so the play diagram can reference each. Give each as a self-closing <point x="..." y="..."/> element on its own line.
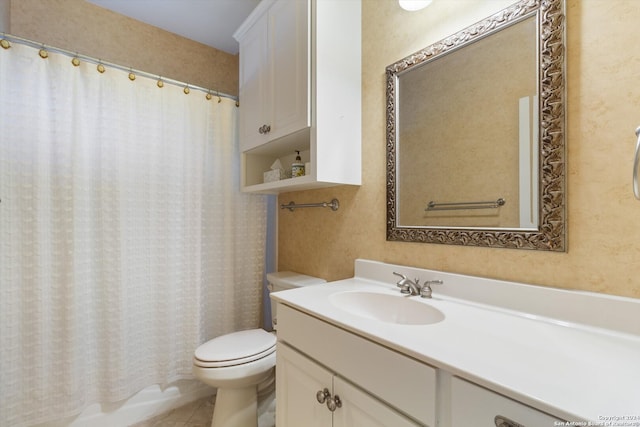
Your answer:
<point x="200" y="412"/>
<point x="194" y="414"/>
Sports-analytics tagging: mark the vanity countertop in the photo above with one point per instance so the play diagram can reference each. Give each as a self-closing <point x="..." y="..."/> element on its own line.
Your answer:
<point x="571" y="370"/>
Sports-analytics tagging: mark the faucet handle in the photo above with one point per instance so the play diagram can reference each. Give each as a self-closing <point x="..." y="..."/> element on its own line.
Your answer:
<point x="403" y="280"/>
<point x="426" y="291"/>
<point x="403" y="283"/>
<point x="402" y="276"/>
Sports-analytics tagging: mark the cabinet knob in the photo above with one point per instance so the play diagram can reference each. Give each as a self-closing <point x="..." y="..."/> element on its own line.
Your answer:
<point x="264" y="129"/>
<point x="323" y="395"/>
<point x="505" y="422"/>
<point x="334" y="402"/>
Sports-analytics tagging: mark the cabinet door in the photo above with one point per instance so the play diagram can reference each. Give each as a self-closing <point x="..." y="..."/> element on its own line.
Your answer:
<point x="298" y="380"/>
<point x="362" y="410"/>
<point x="254" y="85"/>
<point x="472" y="405"/>
<point x="289" y="48"/>
<point x="275" y="74"/>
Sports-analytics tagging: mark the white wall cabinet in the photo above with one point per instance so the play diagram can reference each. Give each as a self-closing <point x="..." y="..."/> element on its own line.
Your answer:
<point x="311" y="395"/>
<point x="300" y="78"/>
<point x="274" y="77"/>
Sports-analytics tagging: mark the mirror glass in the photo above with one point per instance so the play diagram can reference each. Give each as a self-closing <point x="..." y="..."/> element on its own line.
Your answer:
<point x="475" y="134"/>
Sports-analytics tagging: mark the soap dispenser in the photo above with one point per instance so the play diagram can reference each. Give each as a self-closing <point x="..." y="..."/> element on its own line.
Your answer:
<point x="297" y="167"/>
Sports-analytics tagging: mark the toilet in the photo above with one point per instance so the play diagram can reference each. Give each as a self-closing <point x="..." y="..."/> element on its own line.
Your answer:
<point x="240" y="363"/>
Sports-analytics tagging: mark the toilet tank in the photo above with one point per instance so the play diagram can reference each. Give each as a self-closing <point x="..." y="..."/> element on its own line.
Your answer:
<point x="283" y="280"/>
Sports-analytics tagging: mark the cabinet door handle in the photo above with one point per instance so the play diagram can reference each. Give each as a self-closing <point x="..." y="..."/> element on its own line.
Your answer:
<point x="502" y="421"/>
<point x="323" y="395"/>
<point x="264" y="129"/>
<point x="334" y="402"/>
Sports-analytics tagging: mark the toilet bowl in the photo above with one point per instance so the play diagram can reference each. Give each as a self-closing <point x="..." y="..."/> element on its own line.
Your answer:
<point x="240" y="363"/>
<point x="236" y="364"/>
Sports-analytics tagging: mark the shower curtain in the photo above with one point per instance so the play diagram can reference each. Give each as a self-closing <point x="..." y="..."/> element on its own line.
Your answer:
<point x="124" y="239"/>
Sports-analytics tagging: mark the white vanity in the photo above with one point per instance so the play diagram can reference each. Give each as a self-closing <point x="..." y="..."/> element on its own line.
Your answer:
<point x="481" y="352"/>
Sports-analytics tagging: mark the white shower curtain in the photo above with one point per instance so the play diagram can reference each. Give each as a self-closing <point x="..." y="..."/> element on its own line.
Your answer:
<point x="124" y="239"/>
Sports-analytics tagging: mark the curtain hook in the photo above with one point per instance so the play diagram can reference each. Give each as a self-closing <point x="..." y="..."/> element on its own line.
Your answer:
<point x="4" y="42"/>
<point x="100" y="67"/>
<point x="132" y="76"/>
<point x="219" y="99"/>
<point x="75" y="60"/>
<point x="160" y="82"/>
<point x="43" y="53"/>
<point x="208" y="95"/>
<point x="186" y="90"/>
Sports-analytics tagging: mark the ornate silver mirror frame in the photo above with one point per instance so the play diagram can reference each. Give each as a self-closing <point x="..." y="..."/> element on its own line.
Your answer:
<point x="550" y="233"/>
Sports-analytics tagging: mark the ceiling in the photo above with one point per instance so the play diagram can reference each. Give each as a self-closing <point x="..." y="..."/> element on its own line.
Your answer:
<point x="211" y="22"/>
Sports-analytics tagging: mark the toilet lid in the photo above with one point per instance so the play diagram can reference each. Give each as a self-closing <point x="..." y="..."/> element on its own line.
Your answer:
<point x="235" y="349"/>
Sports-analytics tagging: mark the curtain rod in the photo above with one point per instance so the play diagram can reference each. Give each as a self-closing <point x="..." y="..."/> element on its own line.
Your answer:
<point x="71" y="54"/>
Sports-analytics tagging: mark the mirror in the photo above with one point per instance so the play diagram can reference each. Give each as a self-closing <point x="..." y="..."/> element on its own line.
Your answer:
<point x="475" y="134"/>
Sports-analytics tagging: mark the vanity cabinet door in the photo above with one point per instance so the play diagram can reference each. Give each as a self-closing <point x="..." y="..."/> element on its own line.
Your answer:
<point x="300" y="383"/>
<point x="298" y="380"/>
<point x="361" y="410"/>
<point x="472" y="405"/>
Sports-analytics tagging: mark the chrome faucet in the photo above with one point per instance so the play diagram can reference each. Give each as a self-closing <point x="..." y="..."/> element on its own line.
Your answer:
<point x="412" y="287"/>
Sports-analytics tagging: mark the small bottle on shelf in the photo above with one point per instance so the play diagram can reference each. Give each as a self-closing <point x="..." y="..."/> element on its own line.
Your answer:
<point x="297" y="167"/>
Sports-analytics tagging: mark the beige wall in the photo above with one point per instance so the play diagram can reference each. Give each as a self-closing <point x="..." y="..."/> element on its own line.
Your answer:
<point x="80" y="26"/>
<point x="5" y="8"/>
<point x="603" y="111"/>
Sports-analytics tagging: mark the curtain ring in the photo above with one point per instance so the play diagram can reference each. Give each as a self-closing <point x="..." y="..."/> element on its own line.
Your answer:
<point x="75" y="61"/>
<point x="100" y="68"/>
<point x="43" y="53"/>
<point x="186" y="90"/>
<point x="5" y="43"/>
<point x="208" y="96"/>
<point x="132" y="76"/>
<point x="160" y="82"/>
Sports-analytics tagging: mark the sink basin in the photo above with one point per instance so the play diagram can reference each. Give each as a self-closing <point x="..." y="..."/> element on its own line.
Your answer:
<point x="400" y="309"/>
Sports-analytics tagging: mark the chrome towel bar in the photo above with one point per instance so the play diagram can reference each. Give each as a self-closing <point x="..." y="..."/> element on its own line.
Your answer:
<point x="492" y="204"/>
<point x="334" y="205"/>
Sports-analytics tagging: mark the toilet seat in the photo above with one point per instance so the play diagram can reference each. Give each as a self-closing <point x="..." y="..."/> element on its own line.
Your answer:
<point x="235" y="349"/>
